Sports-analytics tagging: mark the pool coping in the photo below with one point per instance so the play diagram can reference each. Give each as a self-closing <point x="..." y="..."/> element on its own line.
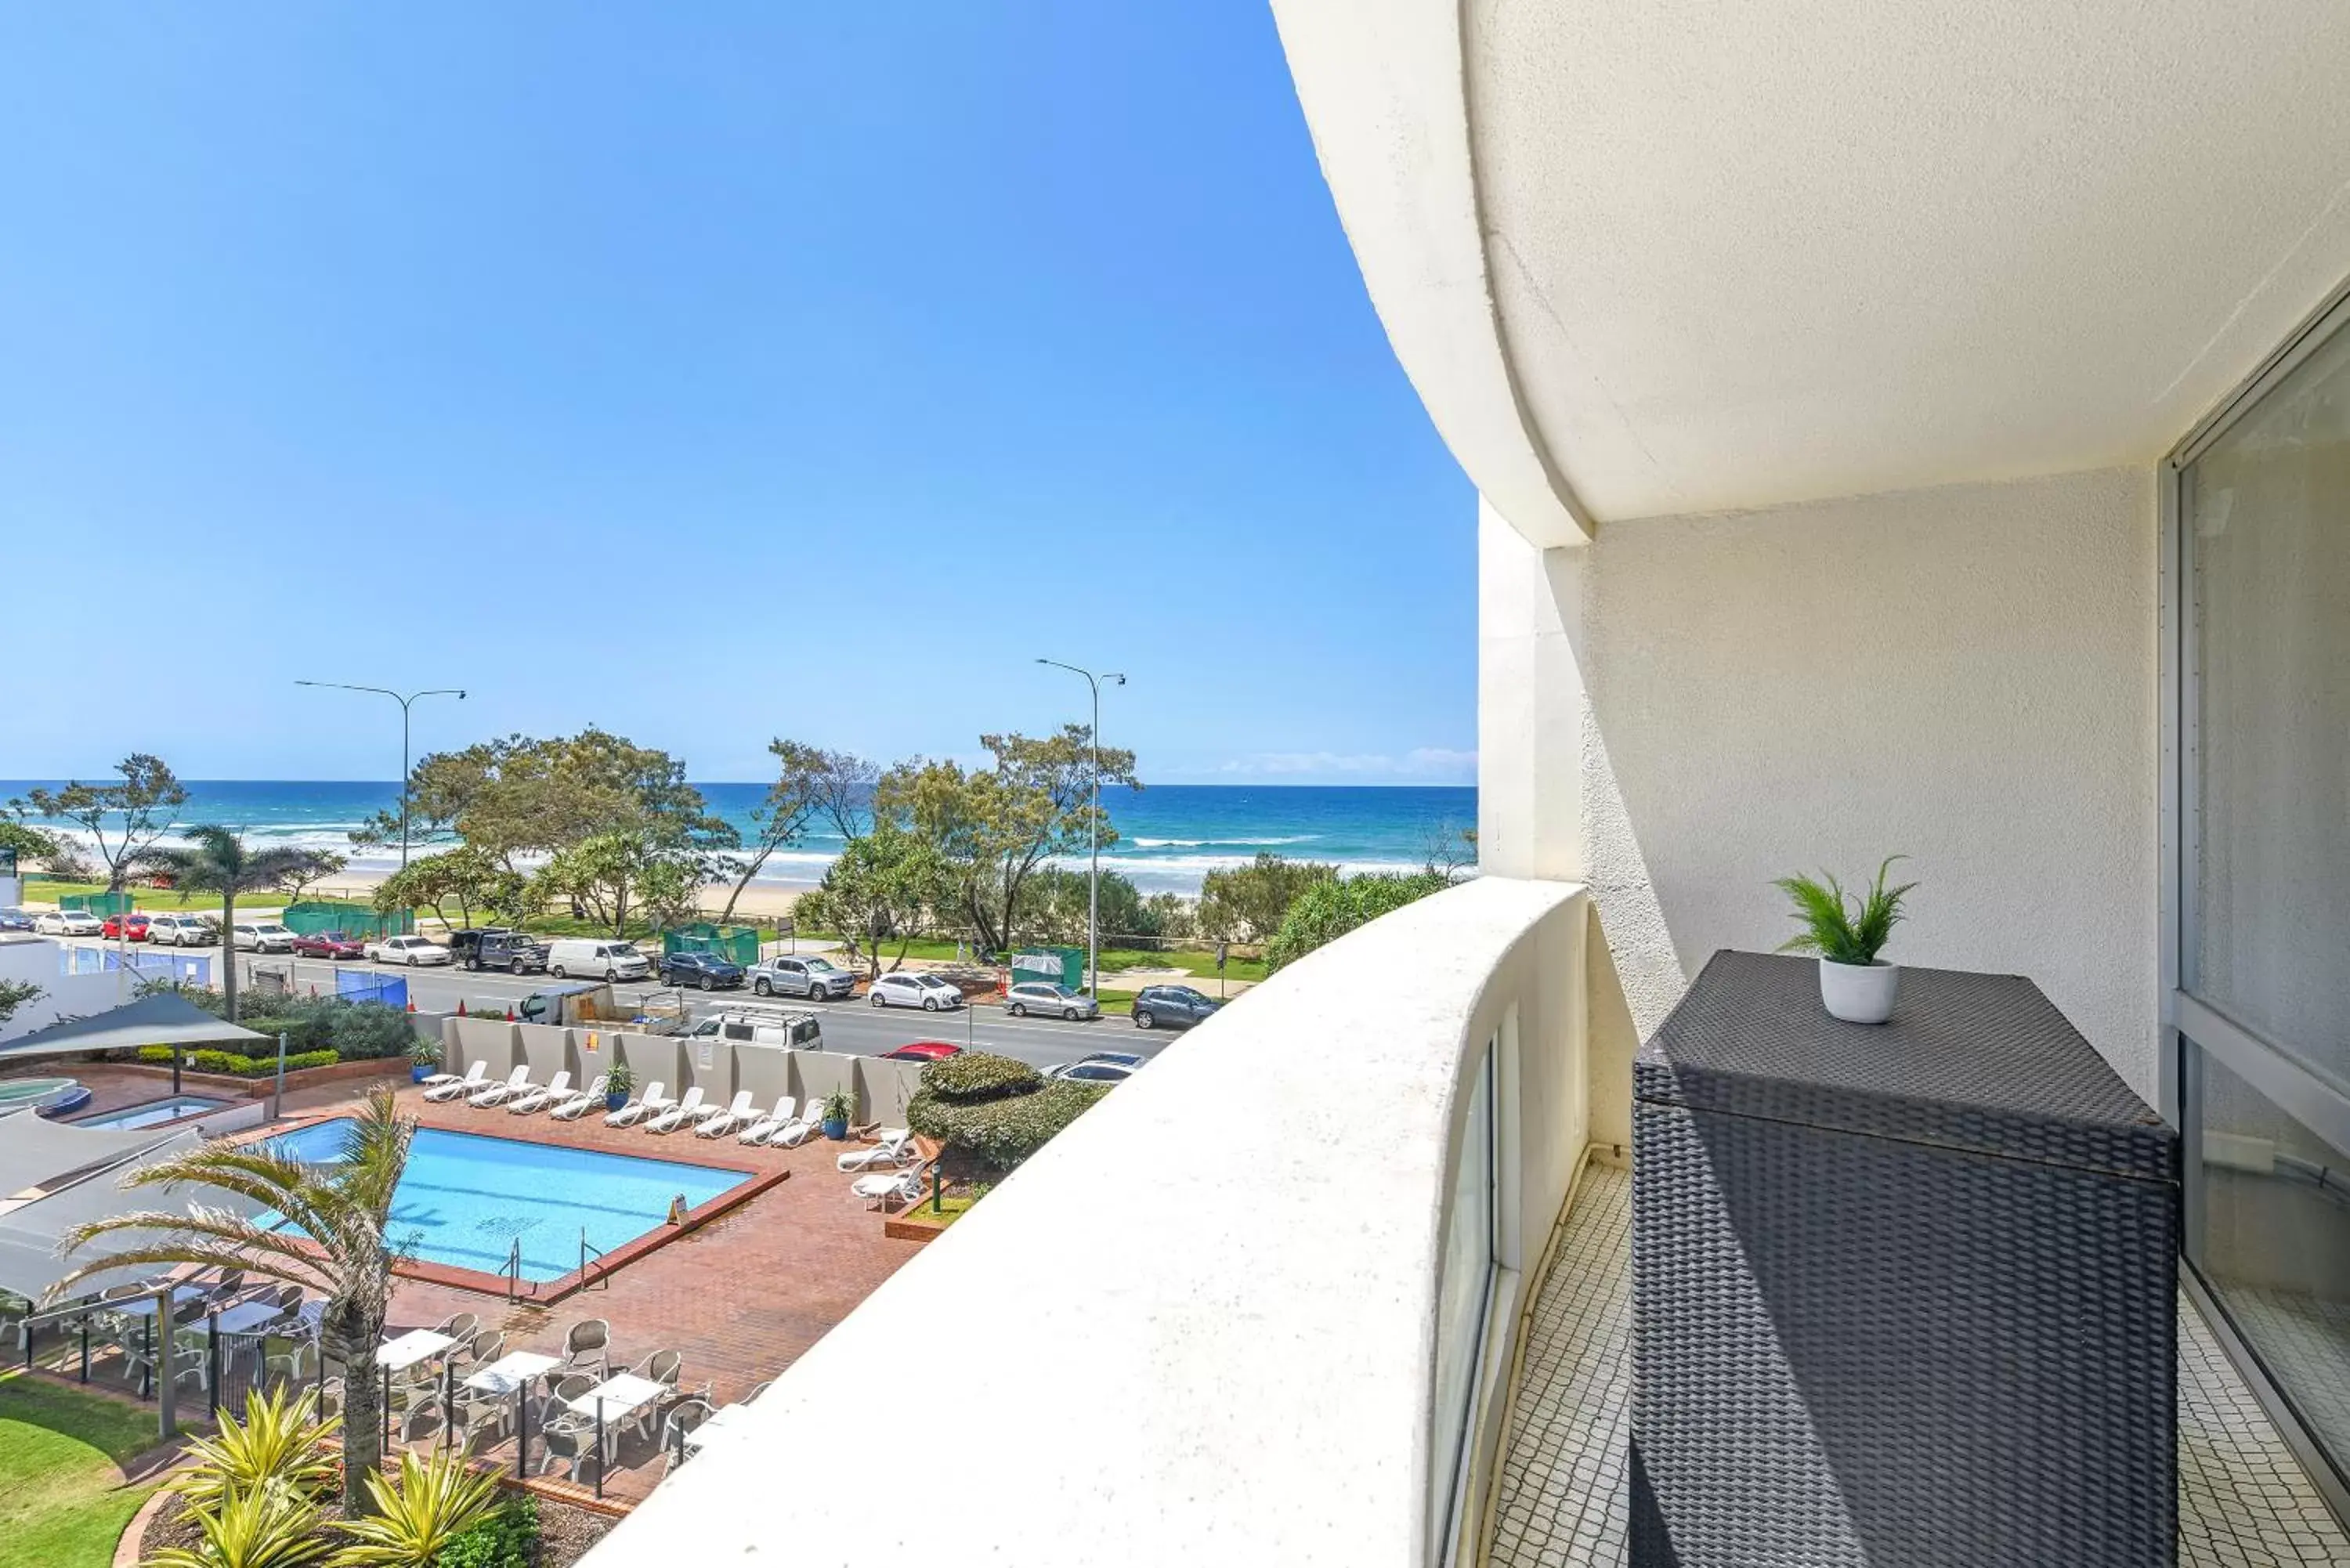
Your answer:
<point x="548" y="1292"/>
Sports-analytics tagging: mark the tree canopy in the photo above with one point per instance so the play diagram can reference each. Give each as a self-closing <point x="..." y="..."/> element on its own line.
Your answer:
<point x="880" y="888"/>
<point x="123" y="820"/>
<point x="1248" y="903"/>
<point x="1329" y="910"/>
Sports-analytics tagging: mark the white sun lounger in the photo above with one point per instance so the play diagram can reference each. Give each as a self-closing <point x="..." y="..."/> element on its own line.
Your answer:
<point x="451" y="1088"/>
<point x="898" y="1186"/>
<point x="435" y="1080"/>
<point x="539" y="1100"/>
<point x="517" y="1082"/>
<point x="896" y="1148"/>
<point x="687" y="1109"/>
<point x="718" y="1123"/>
<point x="573" y="1107"/>
<point x="653" y="1103"/>
<point x="773" y="1122"/>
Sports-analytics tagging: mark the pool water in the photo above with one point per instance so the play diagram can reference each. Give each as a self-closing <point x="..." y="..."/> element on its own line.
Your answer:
<point x="466" y="1198"/>
<point x="154" y="1113"/>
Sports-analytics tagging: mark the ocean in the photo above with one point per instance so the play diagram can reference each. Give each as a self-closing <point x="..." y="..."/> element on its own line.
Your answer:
<point x="1170" y="835"/>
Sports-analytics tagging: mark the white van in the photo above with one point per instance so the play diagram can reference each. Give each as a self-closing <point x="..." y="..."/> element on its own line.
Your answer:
<point x="597" y="958"/>
<point x="794" y="1031"/>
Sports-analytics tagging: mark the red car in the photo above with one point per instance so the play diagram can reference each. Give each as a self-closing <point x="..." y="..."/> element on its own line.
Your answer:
<point x="922" y="1051"/>
<point x="328" y="945"/>
<point x="113" y="927"/>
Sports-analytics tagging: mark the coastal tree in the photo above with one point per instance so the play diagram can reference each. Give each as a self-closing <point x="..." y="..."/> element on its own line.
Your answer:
<point x="1329" y="909"/>
<point x="1247" y="903"/>
<point x="1053" y="907"/>
<point x="880" y="886"/>
<point x="124" y="820"/>
<point x="217" y="861"/>
<point x="1450" y="851"/>
<point x="609" y="873"/>
<point x="336" y="1243"/>
<point x="30" y="846"/>
<point x="15" y="993"/>
<point x="811" y="784"/>
<point x="463" y="877"/>
<point x="994" y="825"/>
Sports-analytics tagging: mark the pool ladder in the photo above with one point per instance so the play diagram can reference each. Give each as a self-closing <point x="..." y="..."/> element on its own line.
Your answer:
<point x="587" y="1254"/>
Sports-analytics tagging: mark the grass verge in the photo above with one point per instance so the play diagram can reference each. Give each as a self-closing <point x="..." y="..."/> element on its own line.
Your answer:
<point x="61" y="1502"/>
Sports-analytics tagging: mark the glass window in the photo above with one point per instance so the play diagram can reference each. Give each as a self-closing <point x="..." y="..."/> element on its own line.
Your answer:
<point x="2268" y="514"/>
<point x="2273" y="1239"/>
<point x="1464" y="1286"/>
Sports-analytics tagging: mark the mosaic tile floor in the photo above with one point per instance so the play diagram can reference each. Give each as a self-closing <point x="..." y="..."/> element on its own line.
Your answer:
<point x="2244" y="1500"/>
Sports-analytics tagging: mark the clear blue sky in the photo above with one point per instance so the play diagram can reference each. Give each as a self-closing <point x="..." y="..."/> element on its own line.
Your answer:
<point x="706" y="372"/>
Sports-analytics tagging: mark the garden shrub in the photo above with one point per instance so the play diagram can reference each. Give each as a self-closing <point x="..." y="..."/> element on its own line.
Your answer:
<point x="976" y="1076"/>
<point x="1003" y="1131"/>
<point x="368" y="1031"/>
<point x="1327" y="910"/>
<point x="234" y="1066"/>
<point x="504" y="1539"/>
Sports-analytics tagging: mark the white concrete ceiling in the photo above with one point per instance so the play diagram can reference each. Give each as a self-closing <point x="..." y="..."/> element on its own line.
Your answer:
<point x="1656" y="257"/>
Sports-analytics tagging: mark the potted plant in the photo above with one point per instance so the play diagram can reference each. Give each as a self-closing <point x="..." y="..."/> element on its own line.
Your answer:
<point x="839" y="1106"/>
<point x="619" y="1084"/>
<point x="1847" y="933"/>
<point x="423" y="1059"/>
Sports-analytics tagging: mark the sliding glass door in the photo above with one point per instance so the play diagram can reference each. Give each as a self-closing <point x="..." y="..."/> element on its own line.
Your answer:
<point x="2263" y="960"/>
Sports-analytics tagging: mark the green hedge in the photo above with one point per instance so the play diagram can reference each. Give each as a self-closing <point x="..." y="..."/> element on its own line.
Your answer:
<point x="504" y="1539"/>
<point x="1005" y="1131"/>
<point x="353" y="1030"/>
<point x="976" y="1076"/>
<point x="230" y="1063"/>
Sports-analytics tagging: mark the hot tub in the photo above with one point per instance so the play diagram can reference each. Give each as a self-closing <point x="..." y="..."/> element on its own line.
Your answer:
<point x="50" y="1096"/>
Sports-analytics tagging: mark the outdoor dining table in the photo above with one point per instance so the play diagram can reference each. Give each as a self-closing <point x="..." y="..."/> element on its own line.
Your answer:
<point x="144" y="1306"/>
<point x="619" y="1395"/>
<point x="398" y="1354"/>
<point x="513" y="1373"/>
<point x="725" y="1424"/>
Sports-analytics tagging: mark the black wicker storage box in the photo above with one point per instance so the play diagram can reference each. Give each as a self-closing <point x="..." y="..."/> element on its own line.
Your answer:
<point x="1903" y="1295"/>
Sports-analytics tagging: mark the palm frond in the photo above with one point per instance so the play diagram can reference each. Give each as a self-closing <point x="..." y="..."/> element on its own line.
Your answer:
<point x="278" y="1442"/>
<point x="267" y="1527"/>
<point x="434" y="1501"/>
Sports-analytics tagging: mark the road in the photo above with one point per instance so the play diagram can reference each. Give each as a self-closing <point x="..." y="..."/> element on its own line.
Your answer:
<point x="852" y="1027"/>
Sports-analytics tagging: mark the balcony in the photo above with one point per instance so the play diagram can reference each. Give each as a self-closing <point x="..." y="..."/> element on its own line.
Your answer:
<point x="1269" y="1303"/>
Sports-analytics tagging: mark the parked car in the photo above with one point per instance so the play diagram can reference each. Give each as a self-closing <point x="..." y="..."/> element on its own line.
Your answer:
<point x="1044" y="996"/>
<point x="1170" y="1007"/>
<point x="463" y="944"/>
<point x="817" y="978"/>
<point x="115" y="924"/>
<point x="328" y="945"/>
<point x="1101" y="1067"/>
<point x="797" y="1030"/>
<point x="707" y="971"/>
<point x="516" y="952"/>
<point x="409" y="950"/>
<point x="598" y="959"/>
<point x="922" y="1051"/>
<point x="15" y="920"/>
<point x="180" y="932"/>
<point x="262" y="937"/>
<point x="68" y="923"/>
<point x="905" y="988"/>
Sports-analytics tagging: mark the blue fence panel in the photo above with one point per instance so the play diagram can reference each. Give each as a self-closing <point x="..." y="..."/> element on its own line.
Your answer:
<point x="356" y="986"/>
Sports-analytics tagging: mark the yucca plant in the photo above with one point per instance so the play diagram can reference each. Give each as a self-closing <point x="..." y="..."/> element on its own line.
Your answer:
<point x="279" y="1442"/>
<point x="268" y="1527"/>
<point x="1838" y="927"/>
<point x="434" y="1501"/>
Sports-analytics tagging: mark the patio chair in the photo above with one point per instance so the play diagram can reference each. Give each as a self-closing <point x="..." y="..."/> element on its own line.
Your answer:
<point x="586" y="1344"/>
<point x="571" y="1448"/>
<point x="651" y="1103"/>
<point x="798" y="1130"/>
<point x="773" y="1122"/>
<point x="664" y="1367"/>
<point x="486" y="1347"/>
<point x="677" y="1115"/>
<point x="298" y="1365"/>
<point x="718" y="1123"/>
<point x="450" y="1087"/>
<point x="898" y="1187"/>
<point x="554" y="1091"/>
<point x="459" y="1326"/>
<point x="517" y="1082"/>
<point x="442" y="1080"/>
<point x="574" y="1107"/>
<point x="896" y="1149"/>
<point x="755" y="1393"/>
<point x="688" y="1415"/>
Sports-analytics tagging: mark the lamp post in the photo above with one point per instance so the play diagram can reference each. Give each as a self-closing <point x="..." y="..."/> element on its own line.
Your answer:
<point x="404" y="704"/>
<point x="1093" y="830"/>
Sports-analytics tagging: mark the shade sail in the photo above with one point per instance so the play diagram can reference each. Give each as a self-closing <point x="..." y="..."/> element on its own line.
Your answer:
<point x="163" y="1019"/>
<point x="34" y="1151"/>
<point x="29" y="1264"/>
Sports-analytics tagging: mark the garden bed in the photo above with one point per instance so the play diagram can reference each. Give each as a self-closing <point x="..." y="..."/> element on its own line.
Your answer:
<point x="565" y="1533"/>
<point x="235" y="1087"/>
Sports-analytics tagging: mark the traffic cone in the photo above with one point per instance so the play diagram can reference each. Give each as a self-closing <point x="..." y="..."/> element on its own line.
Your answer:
<point x="510" y="1017"/>
<point x="412" y="1004"/>
<point x="460" y="1007"/>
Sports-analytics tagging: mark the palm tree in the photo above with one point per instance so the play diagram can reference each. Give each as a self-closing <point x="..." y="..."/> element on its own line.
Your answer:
<point x="343" y="1253"/>
<point x="218" y="861"/>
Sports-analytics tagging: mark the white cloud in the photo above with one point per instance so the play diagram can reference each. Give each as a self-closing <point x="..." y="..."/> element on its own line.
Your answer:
<point x="1437" y="764"/>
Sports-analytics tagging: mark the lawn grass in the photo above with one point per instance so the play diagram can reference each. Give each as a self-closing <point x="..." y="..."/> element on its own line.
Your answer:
<point x="42" y="891"/>
<point x="1200" y="963"/>
<point x="61" y="1505"/>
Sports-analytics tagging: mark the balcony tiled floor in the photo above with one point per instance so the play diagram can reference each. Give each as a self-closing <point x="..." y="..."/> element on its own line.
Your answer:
<point x="2244" y="1500"/>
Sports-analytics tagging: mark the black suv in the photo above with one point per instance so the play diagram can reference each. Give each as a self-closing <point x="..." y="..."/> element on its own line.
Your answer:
<point x="707" y="971"/>
<point x="1170" y="1007"/>
<point x="494" y="946"/>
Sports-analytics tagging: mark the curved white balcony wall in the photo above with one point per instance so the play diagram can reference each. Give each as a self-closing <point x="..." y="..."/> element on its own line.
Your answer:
<point x="1199" y="1326"/>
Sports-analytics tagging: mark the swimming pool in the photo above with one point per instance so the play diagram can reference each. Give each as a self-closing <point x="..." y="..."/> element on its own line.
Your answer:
<point x="465" y="1198"/>
<point x="154" y="1113"/>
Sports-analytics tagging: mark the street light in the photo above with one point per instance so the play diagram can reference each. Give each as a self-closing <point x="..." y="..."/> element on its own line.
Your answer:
<point x="1093" y="831"/>
<point x="404" y="703"/>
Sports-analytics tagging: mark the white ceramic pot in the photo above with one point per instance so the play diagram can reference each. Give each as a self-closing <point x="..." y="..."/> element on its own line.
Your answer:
<point x="1859" y="993"/>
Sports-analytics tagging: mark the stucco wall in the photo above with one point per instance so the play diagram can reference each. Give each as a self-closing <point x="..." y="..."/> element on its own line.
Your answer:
<point x="1689" y="707"/>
